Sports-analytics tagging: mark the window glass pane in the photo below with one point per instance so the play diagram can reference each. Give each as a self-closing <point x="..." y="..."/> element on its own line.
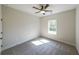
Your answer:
<point x="52" y="26"/>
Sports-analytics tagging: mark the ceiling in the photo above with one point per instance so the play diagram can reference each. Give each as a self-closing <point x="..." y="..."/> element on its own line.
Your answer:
<point x="55" y="7"/>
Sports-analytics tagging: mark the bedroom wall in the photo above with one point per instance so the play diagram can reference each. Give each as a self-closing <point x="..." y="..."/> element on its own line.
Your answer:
<point x="77" y="28"/>
<point x="18" y="27"/>
<point x="65" y="27"/>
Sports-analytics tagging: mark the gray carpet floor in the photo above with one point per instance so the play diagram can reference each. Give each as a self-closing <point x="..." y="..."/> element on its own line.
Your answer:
<point x="46" y="47"/>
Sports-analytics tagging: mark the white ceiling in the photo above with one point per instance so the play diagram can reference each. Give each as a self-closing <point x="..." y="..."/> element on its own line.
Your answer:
<point x="55" y="7"/>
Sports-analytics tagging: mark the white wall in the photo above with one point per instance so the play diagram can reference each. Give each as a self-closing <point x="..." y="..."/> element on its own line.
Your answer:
<point x="18" y="27"/>
<point x="77" y="28"/>
<point x="65" y="27"/>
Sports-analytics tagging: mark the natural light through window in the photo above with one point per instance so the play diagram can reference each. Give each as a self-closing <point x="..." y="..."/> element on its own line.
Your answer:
<point x="52" y="27"/>
<point x="37" y="42"/>
<point x="40" y="42"/>
<point x="44" y="41"/>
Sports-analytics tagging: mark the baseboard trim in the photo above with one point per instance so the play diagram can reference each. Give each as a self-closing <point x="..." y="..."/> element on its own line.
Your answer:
<point x="58" y="41"/>
<point x="19" y="44"/>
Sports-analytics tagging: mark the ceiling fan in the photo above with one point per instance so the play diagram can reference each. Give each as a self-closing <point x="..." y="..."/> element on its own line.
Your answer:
<point x="42" y="9"/>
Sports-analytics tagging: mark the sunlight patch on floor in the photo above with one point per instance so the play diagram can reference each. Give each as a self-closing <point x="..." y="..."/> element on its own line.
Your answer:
<point x="40" y="42"/>
<point x="44" y="41"/>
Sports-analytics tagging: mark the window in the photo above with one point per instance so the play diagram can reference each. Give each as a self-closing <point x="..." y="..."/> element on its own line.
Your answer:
<point x="52" y="27"/>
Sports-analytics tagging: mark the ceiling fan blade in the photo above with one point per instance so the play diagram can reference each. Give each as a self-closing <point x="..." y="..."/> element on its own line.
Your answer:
<point x="38" y="12"/>
<point x="47" y="5"/>
<point x="36" y="8"/>
<point x="41" y="5"/>
<point x="48" y="10"/>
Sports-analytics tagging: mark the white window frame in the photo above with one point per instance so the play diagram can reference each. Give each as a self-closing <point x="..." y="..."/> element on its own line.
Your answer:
<point x="52" y="32"/>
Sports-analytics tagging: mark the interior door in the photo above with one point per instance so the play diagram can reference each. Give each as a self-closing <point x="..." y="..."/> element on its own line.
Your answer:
<point x="0" y="29"/>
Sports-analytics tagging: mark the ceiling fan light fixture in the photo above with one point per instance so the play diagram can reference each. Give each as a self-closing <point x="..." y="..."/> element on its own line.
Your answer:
<point x="42" y="12"/>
